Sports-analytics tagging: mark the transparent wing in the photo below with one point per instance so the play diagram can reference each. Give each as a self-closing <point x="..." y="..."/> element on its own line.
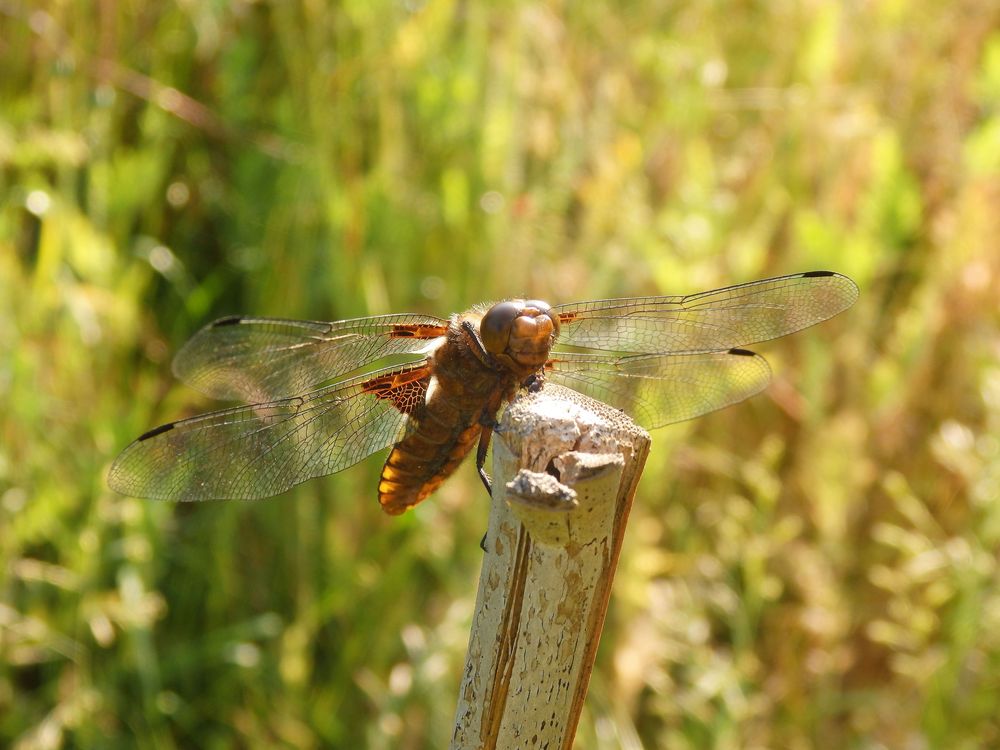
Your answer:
<point x="710" y="321"/>
<point x="261" y="450"/>
<point x="659" y="389"/>
<point x="262" y="359"/>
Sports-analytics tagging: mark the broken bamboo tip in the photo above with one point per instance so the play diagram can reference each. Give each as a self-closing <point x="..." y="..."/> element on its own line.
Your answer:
<point x="565" y="469"/>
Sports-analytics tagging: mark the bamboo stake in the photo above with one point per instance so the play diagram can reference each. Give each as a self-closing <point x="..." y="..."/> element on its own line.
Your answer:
<point x="552" y="548"/>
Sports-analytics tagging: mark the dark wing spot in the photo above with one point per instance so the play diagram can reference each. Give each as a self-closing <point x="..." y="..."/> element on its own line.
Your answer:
<point x="406" y="389"/>
<point x="743" y="352"/>
<point x="816" y="274"/>
<point x="230" y="321"/>
<point x="417" y="331"/>
<point x="156" y="431"/>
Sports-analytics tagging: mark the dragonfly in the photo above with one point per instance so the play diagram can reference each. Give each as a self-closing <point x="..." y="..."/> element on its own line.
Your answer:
<point x="320" y="397"/>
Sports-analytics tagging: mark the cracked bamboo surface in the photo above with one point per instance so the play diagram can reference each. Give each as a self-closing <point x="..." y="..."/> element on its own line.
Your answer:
<point x="565" y="471"/>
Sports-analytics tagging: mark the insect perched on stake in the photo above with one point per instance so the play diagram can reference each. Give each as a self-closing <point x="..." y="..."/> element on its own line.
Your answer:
<point x="659" y="359"/>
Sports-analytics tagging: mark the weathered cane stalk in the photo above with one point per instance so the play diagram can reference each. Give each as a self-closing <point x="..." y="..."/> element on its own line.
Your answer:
<point x="565" y="469"/>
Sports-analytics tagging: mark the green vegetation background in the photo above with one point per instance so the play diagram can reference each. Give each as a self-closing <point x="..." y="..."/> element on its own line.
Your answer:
<point x="815" y="568"/>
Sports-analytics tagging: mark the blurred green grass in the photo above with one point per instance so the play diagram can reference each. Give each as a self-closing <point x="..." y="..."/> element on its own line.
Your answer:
<point x="815" y="568"/>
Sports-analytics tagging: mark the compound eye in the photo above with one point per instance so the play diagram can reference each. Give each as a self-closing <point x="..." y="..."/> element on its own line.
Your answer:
<point x="545" y="309"/>
<point x="494" y="328"/>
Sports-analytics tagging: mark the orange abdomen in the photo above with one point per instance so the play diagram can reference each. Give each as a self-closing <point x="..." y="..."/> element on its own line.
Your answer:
<point x="421" y="461"/>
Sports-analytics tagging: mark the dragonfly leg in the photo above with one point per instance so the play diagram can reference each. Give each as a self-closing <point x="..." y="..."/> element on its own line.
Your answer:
<point x="476" y="343"/>
<point x="534" y="382"/>
<point x="484" y="446"/>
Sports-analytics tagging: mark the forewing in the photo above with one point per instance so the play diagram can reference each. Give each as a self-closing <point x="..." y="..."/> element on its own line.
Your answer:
<point x="658" y="389"/>
<point x="263" y="359"/>
<point x="262" y="450"/>
<point x="710" y="321"/>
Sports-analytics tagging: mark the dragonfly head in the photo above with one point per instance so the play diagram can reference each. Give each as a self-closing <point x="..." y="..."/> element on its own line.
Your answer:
<point x="519" y="332"/>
